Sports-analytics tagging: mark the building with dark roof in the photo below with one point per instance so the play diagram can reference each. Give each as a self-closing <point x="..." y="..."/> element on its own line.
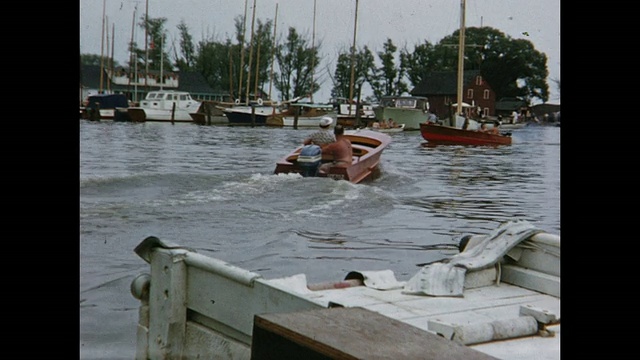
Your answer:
<point x="121" y="81"/>
<point x="441" y="87"/>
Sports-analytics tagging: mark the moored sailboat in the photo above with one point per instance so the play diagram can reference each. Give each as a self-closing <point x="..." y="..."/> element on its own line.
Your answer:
<point x="459" y="131"/>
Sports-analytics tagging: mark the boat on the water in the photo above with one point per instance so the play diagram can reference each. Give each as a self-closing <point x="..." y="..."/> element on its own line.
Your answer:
<point x="386" y="129"/>
<point x="408" y="110"/>
<point x="464" y="130"/>
<point x="252" y="114"/>
<point x="103" y="106"/>
<point x="496" y="296"/>
<point x="165" y="106"/>
<point x="302" y="115"/>
<point x="448" y="135"/>
<point x="367" y="148"/>
<point x="348" y="116"/>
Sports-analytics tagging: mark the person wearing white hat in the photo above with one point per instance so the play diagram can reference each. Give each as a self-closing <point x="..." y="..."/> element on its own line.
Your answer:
<point x="323" y="136"/>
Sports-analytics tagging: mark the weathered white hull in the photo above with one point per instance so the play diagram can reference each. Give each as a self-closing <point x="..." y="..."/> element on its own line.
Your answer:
<point x="194" y="306"/>
<point x="304" y="121"/>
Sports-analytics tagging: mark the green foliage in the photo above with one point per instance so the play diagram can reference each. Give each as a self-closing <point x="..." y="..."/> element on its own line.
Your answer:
<point x="388" y="78"/>
<point x="92" y="59"/>
<point x="188" y="59"/>
<point x="364" y="70"/>
<point x="512" y="67"/>
<point x="418" y="62"/>
<point x="297" y="61"/>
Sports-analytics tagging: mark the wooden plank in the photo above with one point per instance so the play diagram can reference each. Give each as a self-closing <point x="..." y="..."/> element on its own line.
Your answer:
<point x="349" y="333"/>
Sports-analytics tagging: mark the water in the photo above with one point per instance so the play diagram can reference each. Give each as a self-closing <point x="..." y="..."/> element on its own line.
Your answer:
<point x="212" y="188"/>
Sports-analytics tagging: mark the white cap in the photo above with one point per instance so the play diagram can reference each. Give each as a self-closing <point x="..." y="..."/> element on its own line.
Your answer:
<point x="326" y="121"/>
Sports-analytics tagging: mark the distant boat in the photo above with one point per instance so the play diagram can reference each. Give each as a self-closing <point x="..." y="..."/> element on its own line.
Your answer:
<point x="408" y="110"/>
<point x="464" y="131"/>
<point x="253" y="114"/>
<point x="309" y="115"/>
<point x="392" y="129"/>
<point x="347" y="115"/>
<point x="165" y="106"/>
<point x="103" y="106"/>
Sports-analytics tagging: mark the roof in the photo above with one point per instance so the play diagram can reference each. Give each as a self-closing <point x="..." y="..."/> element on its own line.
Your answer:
<point x="191" y="81"/>
<point x="442" y="83"/>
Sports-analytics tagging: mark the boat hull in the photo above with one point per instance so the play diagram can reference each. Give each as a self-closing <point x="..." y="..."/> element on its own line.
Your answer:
<point x="411" y="118"/>
<point x="196" y="306"/>
<point x="367" y="150"/>
<point x="447" y="135"/>
<point x="139" y="114"/>
<point x="247" y="116"/>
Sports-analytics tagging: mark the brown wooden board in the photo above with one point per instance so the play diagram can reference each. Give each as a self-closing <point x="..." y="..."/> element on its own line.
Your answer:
<point x="349" y="333"/>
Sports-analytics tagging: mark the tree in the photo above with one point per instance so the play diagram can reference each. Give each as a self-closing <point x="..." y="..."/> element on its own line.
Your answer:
<point x="364" y="71"/>
<point x="187" y="49"/>
<point x="295" y="59"/>
<point x="156" y="45"/>
<point x="93" y="59"/>
<point x="512" y="67"/>
<point x="417" y="63"/>
<point x="388" y="78"/>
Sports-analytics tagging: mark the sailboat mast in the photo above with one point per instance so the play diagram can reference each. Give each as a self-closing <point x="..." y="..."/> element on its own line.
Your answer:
<point x="146" y="46"/>
<point x="111" y="69"/>
<point x="253" y="19"/>
<point x="461" y="57"/>
<point x="133" y="27"/>
<point x="244" y="29"/>
<point x="313" y="52"/>
<point x="273" y="51"/>
<point x="353" y="57"/>
<point x="104" y="5"/>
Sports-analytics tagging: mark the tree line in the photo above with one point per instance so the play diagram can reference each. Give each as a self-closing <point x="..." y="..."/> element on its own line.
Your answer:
<point x="245" y="64"/>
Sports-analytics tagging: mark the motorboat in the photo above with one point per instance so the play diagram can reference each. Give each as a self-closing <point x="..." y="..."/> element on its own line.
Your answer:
<point x="367" y="148"/>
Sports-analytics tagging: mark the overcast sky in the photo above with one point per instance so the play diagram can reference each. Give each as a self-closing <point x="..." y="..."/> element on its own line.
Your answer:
<point x="405" y="22"/>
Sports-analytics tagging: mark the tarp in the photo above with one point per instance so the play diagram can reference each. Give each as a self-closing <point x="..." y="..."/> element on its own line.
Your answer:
<point x="446" y="278"/>
<point x="108" y="101"/>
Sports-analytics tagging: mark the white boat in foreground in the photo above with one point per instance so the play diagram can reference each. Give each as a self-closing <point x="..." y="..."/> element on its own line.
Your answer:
<point x="499" y="298"/>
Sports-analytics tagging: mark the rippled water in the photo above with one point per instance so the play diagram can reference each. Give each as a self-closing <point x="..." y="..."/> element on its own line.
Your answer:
<point x="212" y="188"/>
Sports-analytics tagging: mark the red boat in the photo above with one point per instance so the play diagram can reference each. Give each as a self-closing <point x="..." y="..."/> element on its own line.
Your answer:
<point x="448" y="135"/>
<point x="367" y="148"/>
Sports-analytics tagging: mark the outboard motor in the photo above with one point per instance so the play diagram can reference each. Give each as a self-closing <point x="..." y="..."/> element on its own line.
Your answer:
<point x="309" y="160"/>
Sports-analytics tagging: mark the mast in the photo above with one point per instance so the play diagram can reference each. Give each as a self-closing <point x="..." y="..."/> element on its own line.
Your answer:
<point x="460" y="59"/>
<point x="161" y="80"/>
<point x="146" y="47"/>
<point x="244" y="25"/>
<point x="104" y="4"/>
<point x="353" y="56"/>
<point x="133" y="26"/>
<point x="273" y="51"/>
<point x="253" y="19"/>
<point x="113" y="42"/>
<point x="313" y="51"/>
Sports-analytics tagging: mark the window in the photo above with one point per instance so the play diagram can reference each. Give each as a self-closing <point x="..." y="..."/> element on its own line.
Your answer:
<point x="470" y="94"/>
<point x="485" y="94"/>
<point x="478" y="80"/>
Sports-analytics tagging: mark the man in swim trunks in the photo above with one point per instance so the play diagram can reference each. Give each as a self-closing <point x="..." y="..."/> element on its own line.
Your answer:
<point x="340" y="150"/>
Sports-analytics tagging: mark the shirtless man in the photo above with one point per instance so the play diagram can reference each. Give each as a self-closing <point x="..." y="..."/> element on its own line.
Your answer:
<point x="340" y="150"/>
